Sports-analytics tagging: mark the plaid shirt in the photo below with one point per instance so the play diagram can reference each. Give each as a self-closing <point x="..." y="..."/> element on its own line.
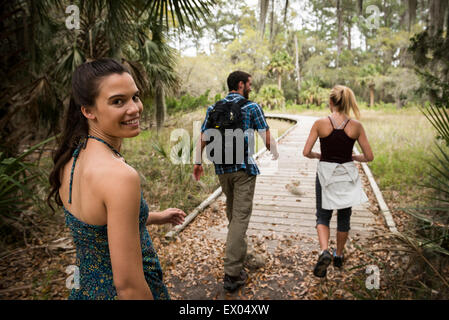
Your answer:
<point x="253" y="118"/>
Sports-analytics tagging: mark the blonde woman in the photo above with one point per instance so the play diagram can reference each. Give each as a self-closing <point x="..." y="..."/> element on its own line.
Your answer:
<point x="338" y="185"/>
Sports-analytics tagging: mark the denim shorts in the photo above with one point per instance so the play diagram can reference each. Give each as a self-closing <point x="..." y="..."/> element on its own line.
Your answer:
<point x="324" y="216"/>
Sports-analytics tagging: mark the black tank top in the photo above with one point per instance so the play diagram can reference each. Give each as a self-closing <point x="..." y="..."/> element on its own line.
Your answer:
<point x="337" y="147"/>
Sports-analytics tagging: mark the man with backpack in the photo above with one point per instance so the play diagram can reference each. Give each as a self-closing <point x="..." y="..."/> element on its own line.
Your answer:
<point x="228" y="135"/>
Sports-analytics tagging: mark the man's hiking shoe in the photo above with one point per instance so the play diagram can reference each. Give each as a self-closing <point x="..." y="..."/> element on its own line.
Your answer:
<point x="338" y="260"/>
<point x="233" y="283"/>
<point x="324" y="260"/>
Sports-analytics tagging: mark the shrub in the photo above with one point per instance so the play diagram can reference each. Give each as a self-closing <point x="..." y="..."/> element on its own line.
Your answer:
<point x="16" y="192"/>
<point x="313" y="94"/>
<point x="269" y="96"/>
<point x="187" y="102"/>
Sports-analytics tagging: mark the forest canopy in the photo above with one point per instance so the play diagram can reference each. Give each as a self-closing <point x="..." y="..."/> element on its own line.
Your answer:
<point x="388" y="52"/>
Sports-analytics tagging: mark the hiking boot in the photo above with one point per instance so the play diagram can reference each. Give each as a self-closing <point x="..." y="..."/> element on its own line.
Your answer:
<point x="233" y="283"/>
<point x="338" y="260"/>
<point x="324" y="260"/>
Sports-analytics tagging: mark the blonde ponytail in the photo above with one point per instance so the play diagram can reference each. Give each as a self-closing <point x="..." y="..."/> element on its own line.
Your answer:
<point x="344" y="99"/>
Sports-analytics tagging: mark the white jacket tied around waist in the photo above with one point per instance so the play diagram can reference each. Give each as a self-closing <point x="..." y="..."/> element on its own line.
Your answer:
<point x="341" y="186"/>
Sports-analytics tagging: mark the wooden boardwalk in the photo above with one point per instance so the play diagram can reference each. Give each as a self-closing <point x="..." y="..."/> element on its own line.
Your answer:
<point x="284" y="200"/>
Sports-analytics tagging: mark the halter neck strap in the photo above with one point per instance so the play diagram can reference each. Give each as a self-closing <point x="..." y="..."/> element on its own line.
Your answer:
<point x="110" y="147"/>
<point x="76" y="153"/>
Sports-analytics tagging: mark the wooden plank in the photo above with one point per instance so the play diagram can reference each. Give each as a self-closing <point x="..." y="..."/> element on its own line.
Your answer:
<point x="306" y="211"/>
<point x="294" y="218"/>
<point x="283" y="208"/>
<point x="287" y="203"/>
<point x="295" y="227"/>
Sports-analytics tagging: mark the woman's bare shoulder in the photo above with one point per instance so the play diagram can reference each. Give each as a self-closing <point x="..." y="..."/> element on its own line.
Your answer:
<point x="321" y="121"/>
<point x="356" y="122"/>
<point x="115" y="174"/>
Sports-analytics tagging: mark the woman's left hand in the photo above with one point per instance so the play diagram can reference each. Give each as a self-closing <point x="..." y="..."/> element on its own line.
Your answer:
<point x="174" y="216"/>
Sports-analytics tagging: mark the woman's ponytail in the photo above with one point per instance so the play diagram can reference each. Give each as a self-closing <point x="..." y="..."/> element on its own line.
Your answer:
<point x="349" y="102"/>
<point x="344" y="99"/>
<point x="75" y="128"/>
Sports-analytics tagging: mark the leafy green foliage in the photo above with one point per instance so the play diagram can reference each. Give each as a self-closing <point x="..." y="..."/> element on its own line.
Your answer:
<point x="188" y="103"/>
<point x="313" y="94"/>
<point x="269" y="96"/>
<point x="430" y="54"/>
<point x="16" y="192"/>
<point x="38" y="47"/>
<point x="280" y="64"/>
<point x="251" y="54"/>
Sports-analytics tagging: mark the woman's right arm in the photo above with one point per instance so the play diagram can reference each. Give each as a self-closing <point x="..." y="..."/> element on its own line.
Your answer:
<point x="121" y="196"/>
<point x="367" y="155"/>
<point x="313" y="136"/>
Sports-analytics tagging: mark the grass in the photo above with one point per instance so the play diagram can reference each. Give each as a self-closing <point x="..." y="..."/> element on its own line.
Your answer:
<point x="402" y="141"/>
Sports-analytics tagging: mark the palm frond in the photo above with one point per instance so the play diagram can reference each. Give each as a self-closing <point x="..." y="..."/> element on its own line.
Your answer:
<point x="139" y="74"/>
<point x="185" y="12"/>
<point x="439" y="118"/>
<point x="68" y="64"/>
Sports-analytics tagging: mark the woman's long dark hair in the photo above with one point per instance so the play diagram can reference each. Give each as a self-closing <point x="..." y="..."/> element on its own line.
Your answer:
<point x="85" y="82"/>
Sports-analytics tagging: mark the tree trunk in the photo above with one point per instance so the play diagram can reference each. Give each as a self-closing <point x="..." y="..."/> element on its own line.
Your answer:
<point x="371" y="94"/>
<point x="411" y="13"/>
<point x="298" y="72"/>
<point x="285" y="11"/>
<point x="447" y="25"/>
<point x="263" y="4"/>
<point x="339" y="27"/>
<point x="272" y="24"/>
<point x="349" y="35"/>
<point x="398" y="102"/>
<point x="159" y="100"/>
<point x="279" y="81"/>
<point x="360" y="7"/>
<point x="386" y="8"/>
<point x="437" y="12"/>
<point x="447" y="37"/>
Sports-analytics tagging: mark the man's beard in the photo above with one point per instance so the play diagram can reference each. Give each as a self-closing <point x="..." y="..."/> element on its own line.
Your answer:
<point x="246" y="93"/>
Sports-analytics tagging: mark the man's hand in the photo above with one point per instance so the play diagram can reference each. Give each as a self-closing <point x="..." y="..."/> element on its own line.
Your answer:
<point x="197" y="171"/>
<point x="270" y="143"/>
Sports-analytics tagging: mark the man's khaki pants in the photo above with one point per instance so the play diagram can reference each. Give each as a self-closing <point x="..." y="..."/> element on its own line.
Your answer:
<point x="239" y="190"/>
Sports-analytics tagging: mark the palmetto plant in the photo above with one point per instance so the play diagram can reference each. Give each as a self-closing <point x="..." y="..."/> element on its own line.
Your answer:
<point x="16" y="193"/>
<point x="280" y="64"/>
<point x="312" y="93"/>
<point x="430" y="237"/>
<point x="439" y="182"/>
<point x="270" y="96"/>
<point x="39" y="53"/>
